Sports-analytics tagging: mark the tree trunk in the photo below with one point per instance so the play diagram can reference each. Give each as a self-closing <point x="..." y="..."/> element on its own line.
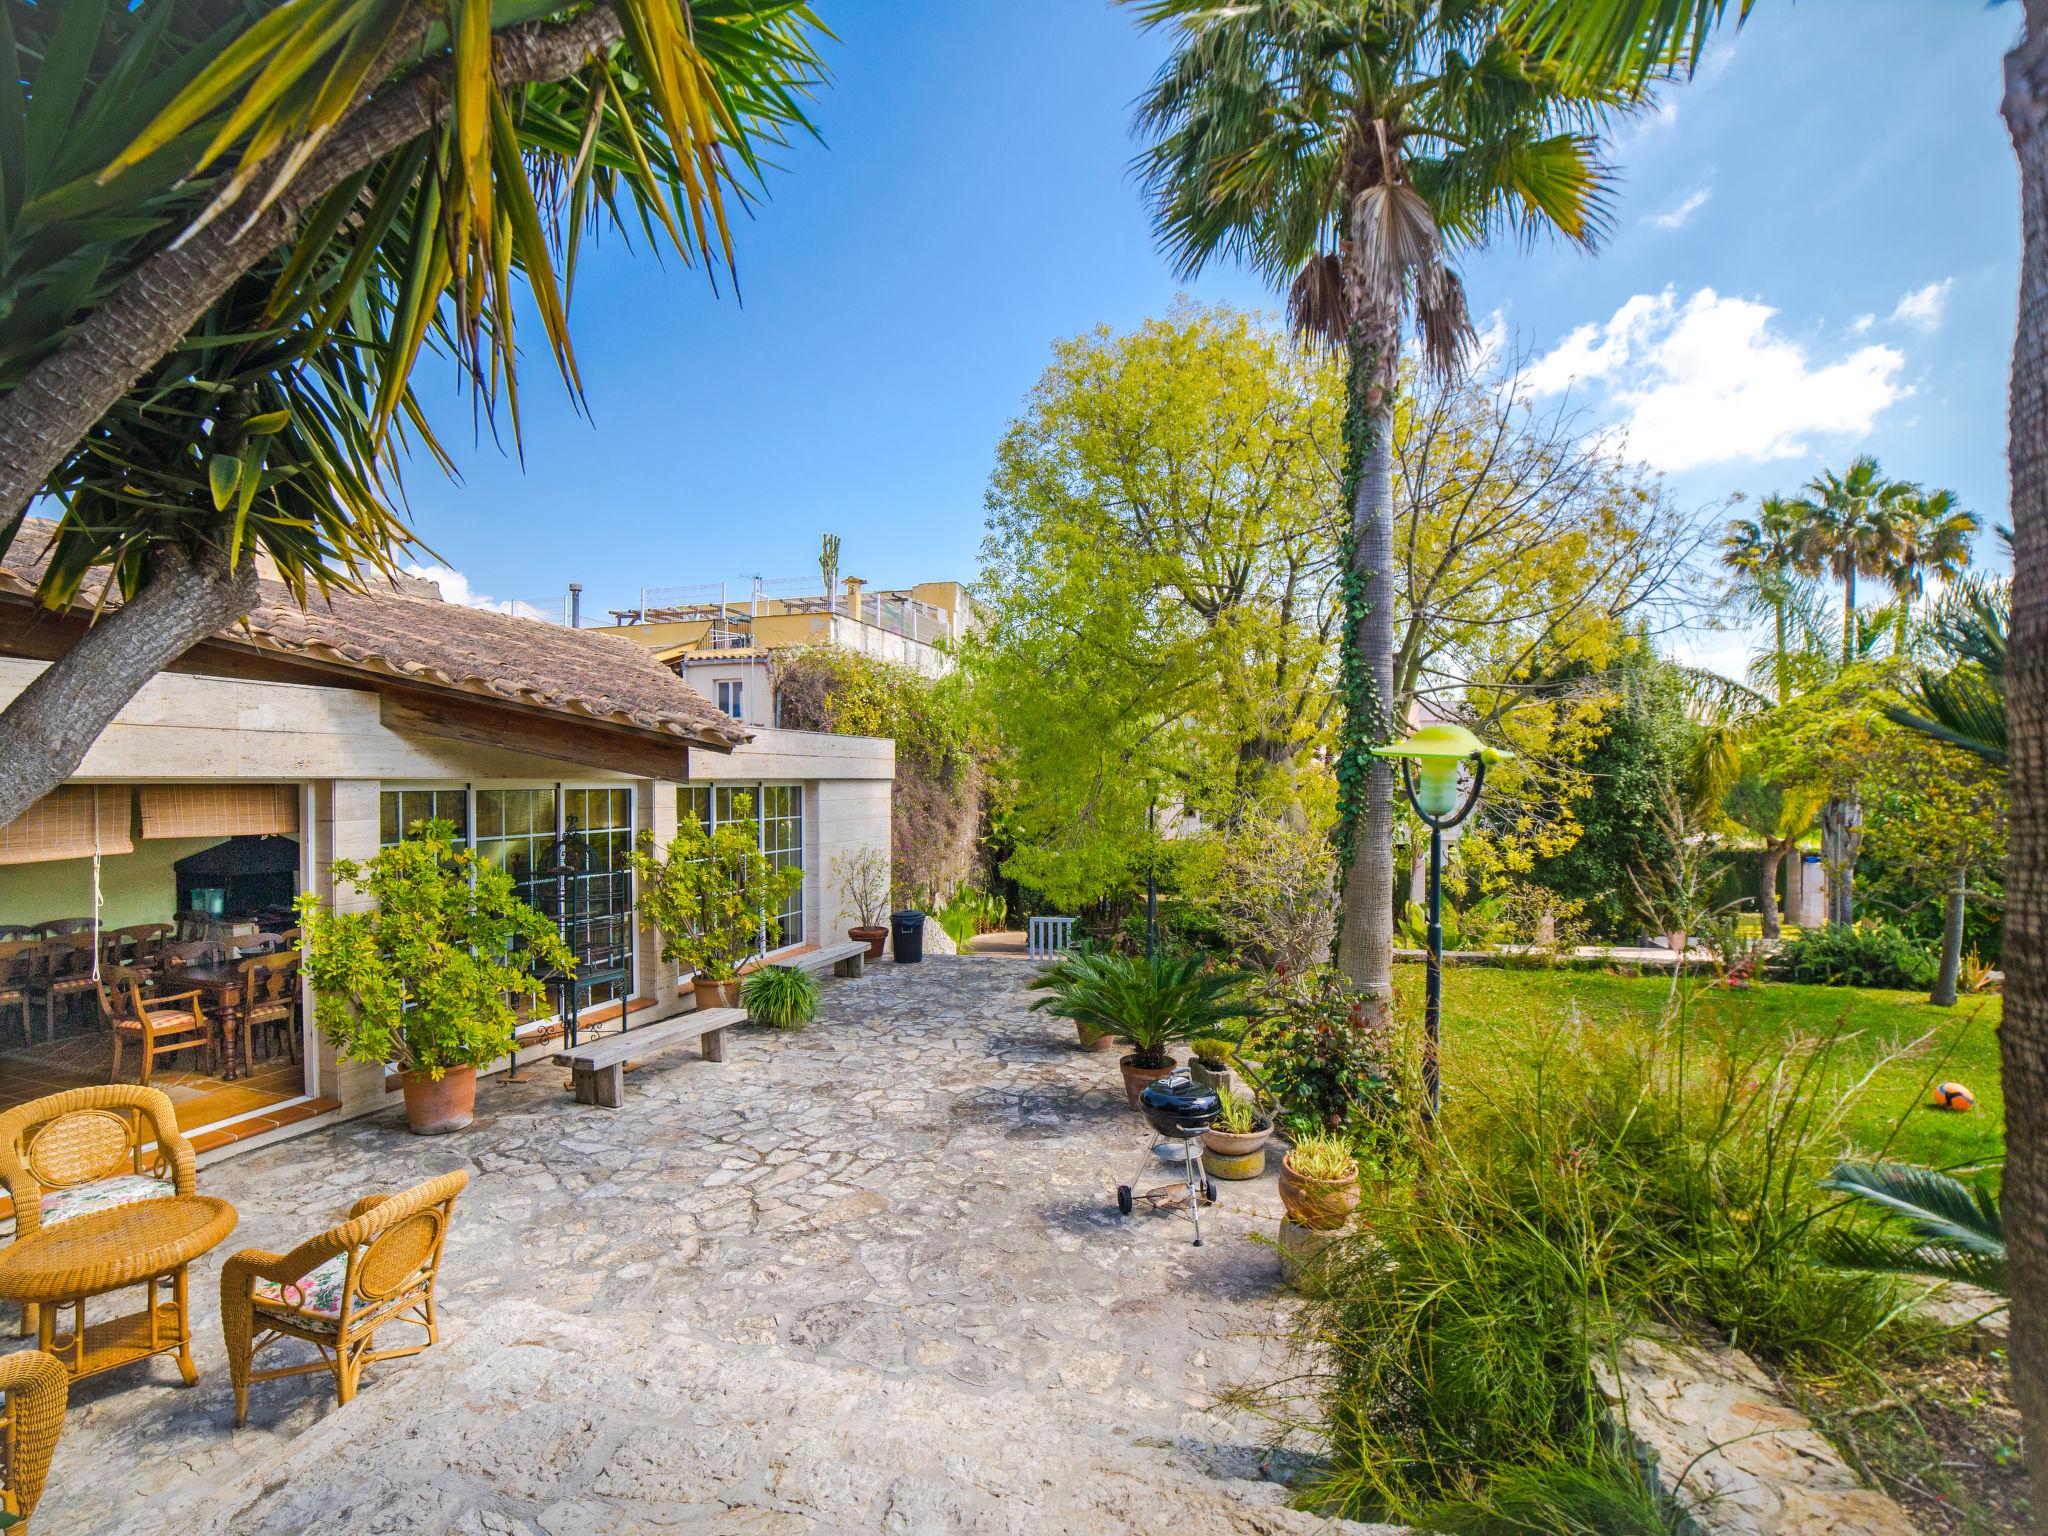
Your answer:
<point x="1944" y="993"/>
<point x="1841" y="839"/>
<point x="2023" y="1034"/>
<point x="1767" y="886"/>
<point x="1849" y="616"/>
<point x="1783" y="691"/>
<point x="46" y="732"/>
<point x="1365" y="943"/>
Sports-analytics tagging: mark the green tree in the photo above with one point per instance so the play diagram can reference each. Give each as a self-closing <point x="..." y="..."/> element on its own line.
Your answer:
<point x="1851" y="527"/>
<point x="1158" y="591"/>
<point x="398" y="170"/>
<point x="1762" y="555"/>
<point x="1349" y="154"/>
<point x="1778" y="814"/>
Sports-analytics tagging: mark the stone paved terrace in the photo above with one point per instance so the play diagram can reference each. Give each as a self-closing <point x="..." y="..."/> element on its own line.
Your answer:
<point x="867" y="1277"/>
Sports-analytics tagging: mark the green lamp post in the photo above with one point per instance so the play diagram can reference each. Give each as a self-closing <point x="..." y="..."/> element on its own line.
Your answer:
<point x="1430" y="760"/>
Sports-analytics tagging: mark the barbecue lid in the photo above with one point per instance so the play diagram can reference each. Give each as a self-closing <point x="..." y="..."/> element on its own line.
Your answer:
<point x="1181" y="1096"/>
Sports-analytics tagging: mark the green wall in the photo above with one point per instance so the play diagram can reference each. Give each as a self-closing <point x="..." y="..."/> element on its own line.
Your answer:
<point x="138" y="887"/>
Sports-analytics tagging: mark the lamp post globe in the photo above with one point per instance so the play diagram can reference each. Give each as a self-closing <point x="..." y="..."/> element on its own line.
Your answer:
<point x="1431" y="759"/>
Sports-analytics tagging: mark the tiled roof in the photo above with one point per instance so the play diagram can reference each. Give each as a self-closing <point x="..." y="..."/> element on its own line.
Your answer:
<point x="446" y="646"/>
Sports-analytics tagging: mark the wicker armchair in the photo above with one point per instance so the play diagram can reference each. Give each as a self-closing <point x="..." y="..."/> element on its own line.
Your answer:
<point x="89" y="1148"/>
<point x="335" y="1291"/>
<point x="34" y="1388"/>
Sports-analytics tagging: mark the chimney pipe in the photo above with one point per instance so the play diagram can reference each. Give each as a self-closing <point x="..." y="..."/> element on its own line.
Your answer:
<point x="575" y="605"/>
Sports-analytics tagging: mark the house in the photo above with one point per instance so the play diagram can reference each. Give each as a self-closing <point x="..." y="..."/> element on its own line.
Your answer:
<point x="233" y="782"/>
<point x="725" y="650"/>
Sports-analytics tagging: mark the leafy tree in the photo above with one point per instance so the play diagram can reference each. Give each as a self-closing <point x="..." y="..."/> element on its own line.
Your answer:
<point x="1350" y="153"/>
<point x="1779" y="814"/>
<point x="712" y="894"/>
<point x="395" y="173"/>
<point x="1157" y="596"/>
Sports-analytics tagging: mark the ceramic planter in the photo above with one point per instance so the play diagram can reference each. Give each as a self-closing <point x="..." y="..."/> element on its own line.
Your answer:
<point x="436" y="1108"/>
<point x="717" y="994"/>
<point x="1324" y="1205"/>
<point x="874" y="938"/>
<point x="1136" y="1078"/>
<point x="1235" y="1154"/>
<point x="1220" y="1078"/>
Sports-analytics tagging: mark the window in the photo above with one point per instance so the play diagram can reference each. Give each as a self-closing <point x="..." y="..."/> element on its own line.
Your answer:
<point x="776" y="814"/>
<point x="399" y="810"/>
<point x="729" y="698"/>
<point x="514" y="828"/>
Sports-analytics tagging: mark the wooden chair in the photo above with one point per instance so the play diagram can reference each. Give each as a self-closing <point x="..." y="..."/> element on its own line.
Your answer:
<point x="335" y="1291"/>
<point x="13" y="932"/>
<point x="140" y="945"/>
<point x="267" y="1000"/>
<point x="161" y="1026"/>
<point x="17" y="980"/>
<point x="63" y="974"/>
<point x="87" y="1149"/>
<point x="63" y="927"/>
<point x="34" y="1388"/>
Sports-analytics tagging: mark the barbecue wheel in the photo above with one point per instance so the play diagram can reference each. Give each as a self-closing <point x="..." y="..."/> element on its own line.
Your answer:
<point x="1123" y="1198"/>
<point x="1209" y="1190"/>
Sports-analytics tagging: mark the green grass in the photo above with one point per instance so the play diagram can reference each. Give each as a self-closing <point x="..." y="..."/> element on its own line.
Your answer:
<point x="1489" y="1016"/>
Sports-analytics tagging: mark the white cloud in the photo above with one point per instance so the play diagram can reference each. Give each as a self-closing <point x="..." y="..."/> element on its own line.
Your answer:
<point x="1861" y="324"/>
<point x="1923" y="307"/>
<point x="455" y="588"/>
<point x="1711" y="381"/>
<point x="1677" y="218"/>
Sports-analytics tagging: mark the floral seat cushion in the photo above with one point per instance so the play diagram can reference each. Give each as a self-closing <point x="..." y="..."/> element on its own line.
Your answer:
<point x="318" y="1291"/>
<point x="101" y="1195"/>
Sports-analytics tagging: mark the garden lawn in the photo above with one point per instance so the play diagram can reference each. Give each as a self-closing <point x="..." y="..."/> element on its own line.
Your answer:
<point x="1492" y="1016"/>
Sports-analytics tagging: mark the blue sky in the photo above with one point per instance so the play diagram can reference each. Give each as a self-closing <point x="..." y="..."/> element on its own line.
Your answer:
<point x="1815" y="254"/>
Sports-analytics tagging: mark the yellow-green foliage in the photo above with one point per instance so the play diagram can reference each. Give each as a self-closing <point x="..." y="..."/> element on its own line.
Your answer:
<point x="711" y="893"/>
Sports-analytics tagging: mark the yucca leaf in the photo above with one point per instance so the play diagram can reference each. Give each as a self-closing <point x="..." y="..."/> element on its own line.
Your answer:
<point x="223" y="470"/>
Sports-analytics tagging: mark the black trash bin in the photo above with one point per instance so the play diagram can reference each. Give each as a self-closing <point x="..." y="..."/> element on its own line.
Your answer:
<point x="906" y="936"/>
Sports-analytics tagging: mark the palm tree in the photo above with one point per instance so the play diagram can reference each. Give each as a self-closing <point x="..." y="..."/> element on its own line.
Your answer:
<point x="1851" y="527"/>
<point x="1349" y="153"/>
<point x="1934" y="540"/>
<point x="1964" y="702"/>
<point x="372" y="167"/>
<point x="1762" y="553"/>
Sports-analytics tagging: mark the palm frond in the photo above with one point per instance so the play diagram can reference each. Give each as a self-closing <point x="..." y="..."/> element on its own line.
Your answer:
<point x="1932" y="1225"/>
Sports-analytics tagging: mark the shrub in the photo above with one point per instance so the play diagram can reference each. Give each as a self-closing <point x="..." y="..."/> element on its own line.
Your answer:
<point x="781" y="995"/>
<point x="1211" y="1052"/>
<point x="1272" y="894"/>
<point x="1322" y="1159"/>
<point x="1240" y="1114"/>
<point x="1871" y="953"/>
<point x="1320" y="1055"/>
<point x="427" y="979"/>
<point x="864" y="885"/>
<point x="712" y="893"/>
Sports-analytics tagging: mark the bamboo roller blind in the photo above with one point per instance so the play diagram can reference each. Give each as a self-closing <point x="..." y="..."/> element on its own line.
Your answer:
<point x="219" y="810"/>
<point x="70" y="823"/>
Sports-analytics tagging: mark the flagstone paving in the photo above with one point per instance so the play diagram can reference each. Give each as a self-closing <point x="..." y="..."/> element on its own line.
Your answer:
<point x="865" y="1277"/>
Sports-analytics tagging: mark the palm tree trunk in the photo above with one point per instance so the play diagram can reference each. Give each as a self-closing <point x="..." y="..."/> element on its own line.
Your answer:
<point x="2023" y="1035"/>
<point x="1944" y="993"/>
<point x="1768" y="866"/>
<point x="1365" y="941"/>
<point x="46" y="732"/>
<point x="1849" y="616"/>
<point x="1779" y="607"/>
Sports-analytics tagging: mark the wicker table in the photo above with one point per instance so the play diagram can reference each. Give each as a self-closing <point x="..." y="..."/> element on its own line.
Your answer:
<point x="148" y="1244"/>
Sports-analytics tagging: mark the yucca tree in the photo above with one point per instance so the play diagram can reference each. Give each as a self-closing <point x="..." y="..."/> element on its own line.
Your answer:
<point x="1850" y="526"/>
<point x="157" y="157"/>
<point x="1762" y="554"/>
<point x="1350" y="152"/>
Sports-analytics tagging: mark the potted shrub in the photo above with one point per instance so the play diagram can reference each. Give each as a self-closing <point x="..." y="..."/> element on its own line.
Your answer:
<point x="864" y="886"/>
<point x="1147" y="1003"/>
<point x="1235" y="1146"/>
<point x="1319" y="1183"/>
<point x="1209" y="1061"/>
<point x="431" y="979"/>
<point x="781" y="996"/>
<point x="712" y="895"/>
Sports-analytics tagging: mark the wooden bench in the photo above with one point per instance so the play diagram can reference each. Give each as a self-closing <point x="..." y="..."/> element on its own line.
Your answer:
<point x="598" y="1069"/>
<point x="848" y="959"/>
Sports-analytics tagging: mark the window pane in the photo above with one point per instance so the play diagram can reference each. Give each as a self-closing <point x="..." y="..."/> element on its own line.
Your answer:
<point x="490" y="813"/>
<point x="387" y="818"/>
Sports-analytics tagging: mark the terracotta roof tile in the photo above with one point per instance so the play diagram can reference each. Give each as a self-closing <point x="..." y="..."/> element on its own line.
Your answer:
<point x="447" y="646"/>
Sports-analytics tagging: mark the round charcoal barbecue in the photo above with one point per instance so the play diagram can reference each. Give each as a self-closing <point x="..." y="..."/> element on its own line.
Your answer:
<point x="1179" y="1109"/>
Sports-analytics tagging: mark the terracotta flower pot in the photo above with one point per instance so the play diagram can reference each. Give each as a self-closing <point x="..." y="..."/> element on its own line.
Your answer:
<point x="1324" y="1205"/>
<point x="1091" y="1041"/>
<point x="434" y="1109"/>
<point x="874" y="938"/>
<point x="717" y="994"/>
<point x="1136" y="1078"/>
<point x="1236" y="1143"/>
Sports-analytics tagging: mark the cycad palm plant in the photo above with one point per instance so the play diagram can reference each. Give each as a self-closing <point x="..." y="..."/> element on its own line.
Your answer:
<point x="1349" y="153"/>
<point x="1935" y="1226"/>
<point x="1147" y="1002"/>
